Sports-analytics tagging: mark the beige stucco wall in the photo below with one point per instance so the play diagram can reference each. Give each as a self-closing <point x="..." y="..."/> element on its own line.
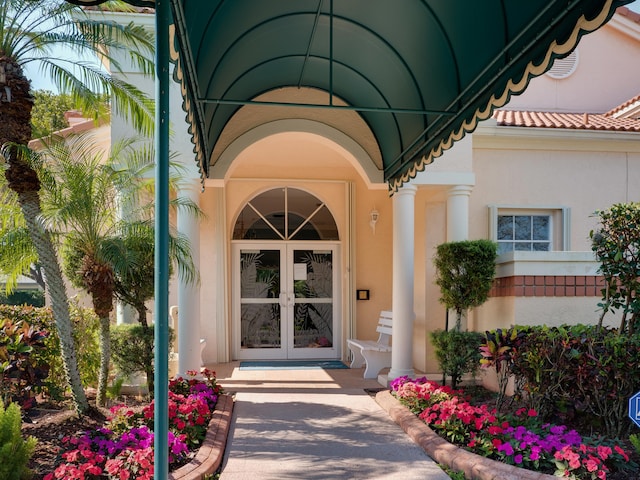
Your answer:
<point x="311" y="163"/>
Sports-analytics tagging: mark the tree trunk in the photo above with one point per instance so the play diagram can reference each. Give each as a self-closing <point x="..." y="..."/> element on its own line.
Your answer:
<point x="56" y="291"/>
<point x="148" y="369"/>
<point x="99" y="282"/>
<point x="15" y="127"/>
<point x="105" y="354"/>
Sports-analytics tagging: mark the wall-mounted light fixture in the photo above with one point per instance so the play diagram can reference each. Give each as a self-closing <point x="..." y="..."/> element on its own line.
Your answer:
<point x="374" y="215"/>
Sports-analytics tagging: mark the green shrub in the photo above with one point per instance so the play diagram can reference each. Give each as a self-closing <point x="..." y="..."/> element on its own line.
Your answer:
<point x="85" y="328"/>
<point x="464" y="273"/>
<point x="35" y="298"/>
<point x="132" y="349"/>
<point x="498" y="350"/>
<point x="580" y="370"/>
<point x="635" y="442"/>
<point x="21" y="372"/>
<point x="457" y="352"/>
<point x="15" y="451"/>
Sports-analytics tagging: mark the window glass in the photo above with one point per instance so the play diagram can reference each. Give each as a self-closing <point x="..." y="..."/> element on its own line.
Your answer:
<point x="524" y="233"/>
<point x="285" y="214"/>
<point x="505" y="227"/>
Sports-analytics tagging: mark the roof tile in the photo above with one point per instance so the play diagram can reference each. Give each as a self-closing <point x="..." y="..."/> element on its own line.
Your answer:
<point x="576" y="121"/>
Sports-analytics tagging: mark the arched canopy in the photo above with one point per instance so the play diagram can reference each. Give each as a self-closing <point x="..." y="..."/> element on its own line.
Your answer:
<point x="421" y="73"/>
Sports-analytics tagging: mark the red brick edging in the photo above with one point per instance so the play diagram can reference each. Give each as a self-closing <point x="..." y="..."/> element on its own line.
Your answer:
<point x="475" y="467"/>
<point x="210" y="453"/>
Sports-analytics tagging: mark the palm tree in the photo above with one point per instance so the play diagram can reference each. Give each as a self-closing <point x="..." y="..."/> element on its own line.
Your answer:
<point x="28" y="32"/>
<point x="102" y="253"/>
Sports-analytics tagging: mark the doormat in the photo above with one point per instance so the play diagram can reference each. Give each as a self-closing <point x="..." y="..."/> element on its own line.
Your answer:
<point x="292" y="365"/>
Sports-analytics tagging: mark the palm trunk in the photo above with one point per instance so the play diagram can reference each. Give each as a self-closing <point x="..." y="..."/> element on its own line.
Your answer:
<point x="56" y="291"/>
<point x="105" y="354"/>
<point x="99" y="282"/>
<point x="15" y="127"/>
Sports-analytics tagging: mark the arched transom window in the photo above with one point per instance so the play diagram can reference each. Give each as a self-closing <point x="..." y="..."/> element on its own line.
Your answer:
<point x="285" y="214"/>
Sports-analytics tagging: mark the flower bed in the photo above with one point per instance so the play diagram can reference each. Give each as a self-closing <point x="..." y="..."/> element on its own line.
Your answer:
<point x="519" y="439"/>
<point x="124" y="448"/>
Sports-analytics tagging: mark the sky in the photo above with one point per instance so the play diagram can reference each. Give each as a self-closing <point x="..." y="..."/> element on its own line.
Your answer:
<point x="39" y="82"/>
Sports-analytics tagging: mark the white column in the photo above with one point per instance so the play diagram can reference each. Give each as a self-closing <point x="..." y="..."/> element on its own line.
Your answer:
<point x="402" y="303"/>
<point x="189" y="294"/>
<point x="458" y="213"/>
<point x="125" y="314"/>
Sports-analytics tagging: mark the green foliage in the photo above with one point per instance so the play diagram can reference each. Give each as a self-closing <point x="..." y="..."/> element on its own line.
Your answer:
<point x="635" y="442"/>
<point x="15" y="451"/>
<point x="132" y="350"/>
<point x="453" y="474"/>
<point x="113" y="390"/>
<point x="21" y="372"/>
<point x="465" y="272"/>
<point x="35" y="298"/>
<point x="581" y="371"/>
<point x="616" y="244"/>
<point x="85" y="326"/>
<point x="457" y="352"/>
<point x="499" y="350"/>
<point x="48" y="112"/>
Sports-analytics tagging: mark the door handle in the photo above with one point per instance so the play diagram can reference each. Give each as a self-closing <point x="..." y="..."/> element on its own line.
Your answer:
<point x="282" y="300"/>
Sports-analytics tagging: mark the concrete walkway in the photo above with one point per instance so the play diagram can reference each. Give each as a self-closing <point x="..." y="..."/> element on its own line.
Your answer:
<point x="314" y="425"/>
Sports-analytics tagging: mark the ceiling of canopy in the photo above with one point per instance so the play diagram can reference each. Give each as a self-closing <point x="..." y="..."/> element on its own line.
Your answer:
<point x="419" y="73"/>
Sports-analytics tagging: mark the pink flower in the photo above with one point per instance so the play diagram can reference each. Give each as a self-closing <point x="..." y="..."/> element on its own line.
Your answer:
<point x="591" y="464"/>
<point x="621" y="452"/>
<point x="604" y="452"/>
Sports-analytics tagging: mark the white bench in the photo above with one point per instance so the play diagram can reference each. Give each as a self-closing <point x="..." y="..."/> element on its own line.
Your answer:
<point x="375" y="353"/>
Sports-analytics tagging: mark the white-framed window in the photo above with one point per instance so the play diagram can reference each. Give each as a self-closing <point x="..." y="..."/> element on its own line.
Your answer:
<point x="529" y="229"/>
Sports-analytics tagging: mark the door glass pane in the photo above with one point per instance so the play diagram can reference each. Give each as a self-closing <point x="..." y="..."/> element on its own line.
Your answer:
<point x="313" y="327"/>
<point x="259" y="292"/>
<point x="260" y="326"/>
<point x="313" y="287"/>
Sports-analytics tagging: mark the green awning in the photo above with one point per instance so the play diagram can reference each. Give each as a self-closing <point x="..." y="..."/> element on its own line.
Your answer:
<point x="420" y="73"/>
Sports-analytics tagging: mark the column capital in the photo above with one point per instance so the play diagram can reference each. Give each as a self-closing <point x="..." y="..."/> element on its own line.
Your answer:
<point x="407" y="189"/>
<point x="460" y="190"/>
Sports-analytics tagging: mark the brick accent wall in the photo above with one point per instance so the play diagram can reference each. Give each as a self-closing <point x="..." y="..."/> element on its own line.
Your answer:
<point x="548" y="286"/>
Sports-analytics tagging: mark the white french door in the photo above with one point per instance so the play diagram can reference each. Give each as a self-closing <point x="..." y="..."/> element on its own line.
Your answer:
<point x="285" y="300"/>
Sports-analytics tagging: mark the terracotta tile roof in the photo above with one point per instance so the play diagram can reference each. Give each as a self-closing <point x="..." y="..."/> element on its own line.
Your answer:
<point x="576" y="121"/>
<point x="630" y="14"/>
<point x="625" y="105"/>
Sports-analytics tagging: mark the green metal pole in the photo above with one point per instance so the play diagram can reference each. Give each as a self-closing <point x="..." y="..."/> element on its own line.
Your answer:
<point x="161" y="310"/>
